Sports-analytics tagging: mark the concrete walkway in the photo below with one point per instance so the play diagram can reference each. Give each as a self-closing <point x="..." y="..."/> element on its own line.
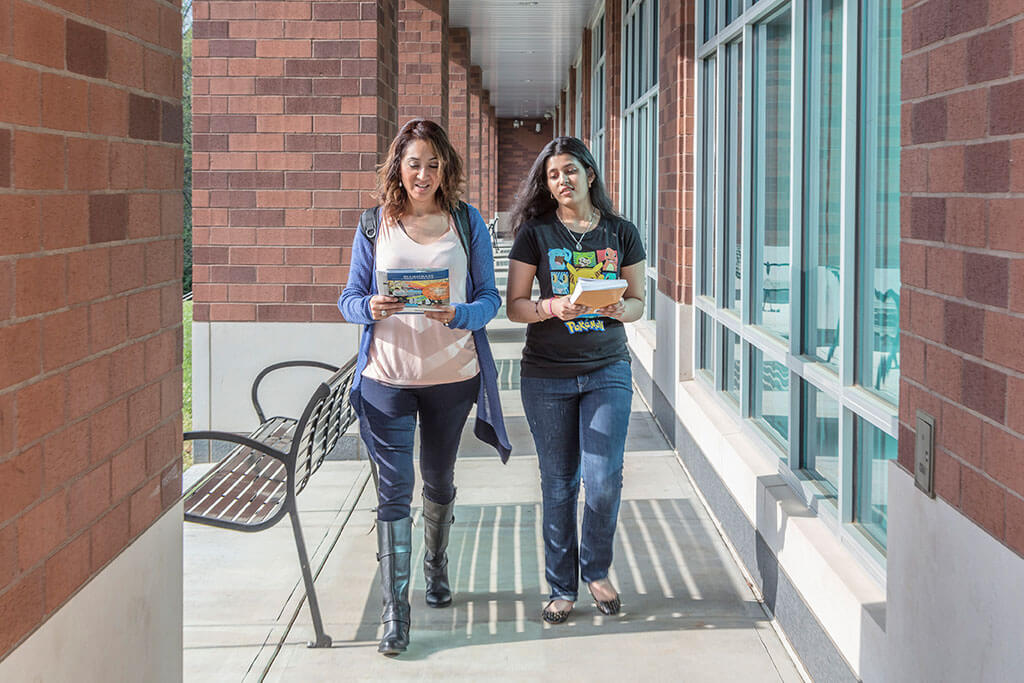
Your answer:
<point x="688" y="614"/>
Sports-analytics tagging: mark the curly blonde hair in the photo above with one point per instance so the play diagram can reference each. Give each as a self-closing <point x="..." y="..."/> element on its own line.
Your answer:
<point x="390" y="191"/>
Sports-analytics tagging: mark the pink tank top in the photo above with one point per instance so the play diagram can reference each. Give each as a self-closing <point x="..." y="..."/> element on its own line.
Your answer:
<point x="413" y="350"/>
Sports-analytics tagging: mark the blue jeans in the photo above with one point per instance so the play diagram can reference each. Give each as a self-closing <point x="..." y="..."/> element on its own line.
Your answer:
<point x="579" y="426"/>
<point x="390" y="426"/>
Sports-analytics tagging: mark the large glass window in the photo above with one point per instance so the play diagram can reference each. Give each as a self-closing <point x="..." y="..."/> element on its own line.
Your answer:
<point x="733" y="351"/>
<point x="708" y="177"/>
<point x="821" y="438"/>
<point x="823" y="181"/>
<point x="875" y="449"/>
<point x="879" y="210"/>
<point x="639" y="188"/>
<point x="733" y="175"/>
<point x="597" y="105"/>
<point x="771" y="168"/>
<point x="797" y="277"/>
<point x="770" y="396"/>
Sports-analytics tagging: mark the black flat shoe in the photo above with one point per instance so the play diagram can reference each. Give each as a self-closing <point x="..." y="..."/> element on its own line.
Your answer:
<point x="609" y="607"/>
<point x="555" y="617"/>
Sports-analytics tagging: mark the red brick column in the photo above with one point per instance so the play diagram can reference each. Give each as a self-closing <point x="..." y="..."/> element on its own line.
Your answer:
<point x="294" y="104"/>
<point x="493" y="151"/>
<point x="423" y="60"/>
<point x="675" y="150"/>
<point x="90" y="293"/>
<point x="613" y="93"/>
<point x="458" y="91"/>
<point x="570" y="103"/>
<point x="517" y="149"/>
<point x="473" y="167"/>
<point x="486" y="162"/>
<point x="962" y="254"/>
<point x="583" y="82"/>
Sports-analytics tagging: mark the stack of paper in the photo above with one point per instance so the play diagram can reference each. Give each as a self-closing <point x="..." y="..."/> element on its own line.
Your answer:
<point x="597" y="293"/>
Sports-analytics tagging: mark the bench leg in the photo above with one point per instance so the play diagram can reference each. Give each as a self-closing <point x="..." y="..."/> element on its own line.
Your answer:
<point x="322" y="639"/>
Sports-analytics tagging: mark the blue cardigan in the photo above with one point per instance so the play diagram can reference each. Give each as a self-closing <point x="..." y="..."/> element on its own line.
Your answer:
<point x="483" y="303"/>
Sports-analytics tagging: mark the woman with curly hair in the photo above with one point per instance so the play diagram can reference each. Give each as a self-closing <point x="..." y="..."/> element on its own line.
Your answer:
<point x="431" y="367"/>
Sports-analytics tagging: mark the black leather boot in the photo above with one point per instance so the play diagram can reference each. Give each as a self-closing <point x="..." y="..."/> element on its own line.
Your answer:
<point x="437" y="521"/>
<point x="394" y="548"/>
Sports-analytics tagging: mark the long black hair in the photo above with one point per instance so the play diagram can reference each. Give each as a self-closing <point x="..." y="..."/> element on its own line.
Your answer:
<point x="534" y="199"/>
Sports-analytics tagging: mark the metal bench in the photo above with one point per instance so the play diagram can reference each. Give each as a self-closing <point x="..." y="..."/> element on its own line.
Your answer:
<point x="256" y="484"/>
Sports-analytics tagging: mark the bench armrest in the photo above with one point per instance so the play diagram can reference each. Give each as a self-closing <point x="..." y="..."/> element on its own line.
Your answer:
<point x="278" y="366"/>
<point x="241" y="440"/>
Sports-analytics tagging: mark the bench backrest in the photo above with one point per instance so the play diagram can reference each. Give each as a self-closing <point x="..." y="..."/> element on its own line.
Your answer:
<point x="326" y="417"/>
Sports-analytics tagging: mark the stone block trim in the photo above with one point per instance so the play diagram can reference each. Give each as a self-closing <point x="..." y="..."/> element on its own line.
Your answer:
<point x="961" y="250"/>
<point x="294" y="105"/>
<point x="90" y="293"/>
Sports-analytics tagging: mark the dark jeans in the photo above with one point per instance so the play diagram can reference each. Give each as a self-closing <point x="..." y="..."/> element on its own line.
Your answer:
<point x="390" y="414"/>
<point x="579" y="426"/>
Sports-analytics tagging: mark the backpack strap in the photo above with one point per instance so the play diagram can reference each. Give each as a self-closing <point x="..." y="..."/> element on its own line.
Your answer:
<point x="461" y="216"/>
<point x="368" y="224"/>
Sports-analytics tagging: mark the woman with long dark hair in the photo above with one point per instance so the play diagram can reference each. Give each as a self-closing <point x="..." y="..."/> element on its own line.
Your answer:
<point x="576" y="382"/>
<point x="431" y="366"/>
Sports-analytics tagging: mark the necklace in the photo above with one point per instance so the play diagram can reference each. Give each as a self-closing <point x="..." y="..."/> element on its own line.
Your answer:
<point x="578" y="241"/>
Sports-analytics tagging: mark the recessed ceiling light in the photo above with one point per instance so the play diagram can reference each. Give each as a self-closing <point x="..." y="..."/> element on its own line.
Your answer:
<point x="527" y="3"/>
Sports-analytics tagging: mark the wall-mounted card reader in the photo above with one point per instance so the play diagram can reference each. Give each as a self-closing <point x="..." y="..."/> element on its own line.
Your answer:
<point x="924" y="454"/>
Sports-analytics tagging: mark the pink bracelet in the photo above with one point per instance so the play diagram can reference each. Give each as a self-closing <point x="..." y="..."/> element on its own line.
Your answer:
<point x="551" y="314"/>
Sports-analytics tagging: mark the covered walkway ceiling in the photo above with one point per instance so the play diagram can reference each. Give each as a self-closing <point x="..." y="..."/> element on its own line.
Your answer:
<point x="524" y="47"/>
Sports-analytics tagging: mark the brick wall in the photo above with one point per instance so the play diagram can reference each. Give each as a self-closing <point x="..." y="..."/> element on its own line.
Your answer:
<point x="90" y="293"/>
<point x="962" y="253"/>
<point x="486" y="170"/>
<point x="613" y="98"/>
<point x="473" y="170"/>
<point x="570" y="103"/>
<point x="423" y="60"/>
<point x="493" y="151"/>
<point x="517" y="150"/>
<point x="583" y="81"/>
<point x="458" y="90"/>
<point x="293" y="104"/>
<point x="676" y="95"/>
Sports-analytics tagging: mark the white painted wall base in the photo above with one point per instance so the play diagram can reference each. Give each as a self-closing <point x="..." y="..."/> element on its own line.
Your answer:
<point x="226" y="357"/>
<point x="124" y="625"/>
<point x="955" y="594"/>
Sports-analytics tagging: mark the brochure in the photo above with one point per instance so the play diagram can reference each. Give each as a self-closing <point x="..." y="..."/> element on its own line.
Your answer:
<point x="595" y="294"/>
<point x="420" y="289"/>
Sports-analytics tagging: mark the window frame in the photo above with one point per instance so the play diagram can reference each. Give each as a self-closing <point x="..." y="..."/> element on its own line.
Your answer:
<point x="855" y="401"/>
<point x="638" y="109"/>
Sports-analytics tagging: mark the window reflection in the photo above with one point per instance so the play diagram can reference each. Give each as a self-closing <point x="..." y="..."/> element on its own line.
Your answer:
<point x="874" y="449"/>
<point x="824" y="182"/>
<point x="879" y="210"/>
<point x="821" y="439"/>
<point x="771" y="271"/>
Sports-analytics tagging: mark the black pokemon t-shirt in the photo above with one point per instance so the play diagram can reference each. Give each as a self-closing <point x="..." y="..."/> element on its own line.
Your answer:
<point x="566" y="348"/>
